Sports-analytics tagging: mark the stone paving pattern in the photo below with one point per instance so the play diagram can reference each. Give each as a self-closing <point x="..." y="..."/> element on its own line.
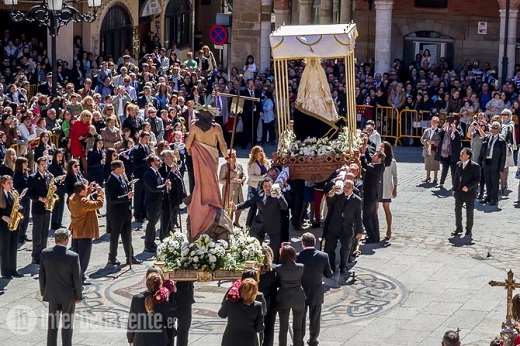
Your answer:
<point x="435" y="282"/>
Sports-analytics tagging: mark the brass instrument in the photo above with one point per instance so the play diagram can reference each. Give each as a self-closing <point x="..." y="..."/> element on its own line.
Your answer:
<point x="16" y="216"/>
<point x="52" y="198"/>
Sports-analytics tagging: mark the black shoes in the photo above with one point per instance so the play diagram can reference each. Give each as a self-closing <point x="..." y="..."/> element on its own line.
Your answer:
<point x="114" y="262"/>
<point x="133" y="260"/>
<point x="456" y="232"/>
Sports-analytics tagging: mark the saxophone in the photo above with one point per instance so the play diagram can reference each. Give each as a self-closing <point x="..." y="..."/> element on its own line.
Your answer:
<point x="52" y="198"/>
<point x="16" y="216"/>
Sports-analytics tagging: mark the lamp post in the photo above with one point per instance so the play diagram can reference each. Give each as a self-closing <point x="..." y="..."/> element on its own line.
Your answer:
<point x="53" y="14"/>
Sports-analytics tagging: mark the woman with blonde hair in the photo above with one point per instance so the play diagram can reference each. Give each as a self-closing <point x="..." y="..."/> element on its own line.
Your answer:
<point x="9" y="163"/>
<point x="151" y="303"/>
<point x="257" y="168"/>
<point x="8" y="238"/>
<point x="89" y="104"/>
<point x="245" y="319"/>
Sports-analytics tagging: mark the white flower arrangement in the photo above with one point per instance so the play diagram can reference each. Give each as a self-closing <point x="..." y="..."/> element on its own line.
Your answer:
<point x="313" y="146"/>
<point x="207" y="254"/>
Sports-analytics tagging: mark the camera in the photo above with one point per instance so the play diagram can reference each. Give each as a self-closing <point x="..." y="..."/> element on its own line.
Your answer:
<point x="450" y="119"/>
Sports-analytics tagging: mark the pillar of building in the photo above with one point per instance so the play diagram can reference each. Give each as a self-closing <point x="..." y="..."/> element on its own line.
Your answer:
<point x="383" y="41"/>
<point x="305" y="12"/>
<point x="265" y="31"/>
<point x="282" y="13"/>
<point x="246" y="32"/>
<point x="64" y="46"/>
<point x="326" y="12"/>
<point x="345" y="11"/>
<point x="511" y="36"/>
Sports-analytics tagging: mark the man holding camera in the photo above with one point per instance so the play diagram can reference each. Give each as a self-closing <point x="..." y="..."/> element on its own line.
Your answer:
<point x="84" y="221"/>
<point x="269" y="202"/>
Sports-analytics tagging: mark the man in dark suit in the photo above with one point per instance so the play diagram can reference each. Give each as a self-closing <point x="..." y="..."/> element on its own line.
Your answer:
<point x="373" y="183"/>
<point x="252" y="111"/>
<point x="46" y="87"/>
<point x="316" y="265"/>
<point x="60" y="285"/>
<point x="119" y="206"/>
<point x="350" y="225"/>
<point x="172" y="198"/>
<point x="154" y="189"/>
<point x="467" y="177"/>
<point x="269" y="202"/>
<point x="38" y="188"/>
<point x="138" y="155"/>
<point x="147" y="98"/>
<point x="493" y="159"/>
<point x="221" y="102"/>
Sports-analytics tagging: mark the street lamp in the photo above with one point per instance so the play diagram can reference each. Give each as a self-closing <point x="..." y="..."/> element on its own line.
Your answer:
<point x="53" y="14"/>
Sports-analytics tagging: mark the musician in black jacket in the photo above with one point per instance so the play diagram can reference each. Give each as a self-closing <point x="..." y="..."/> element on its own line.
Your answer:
<point x="57" y="168"/>
<point x="269" y="202"/>
<point x="155" y="186"/>
<point x="73" y="176"/>
<point x="316" y="265"/>
<point x="138" y="155"/>
<point x="8" y="238"/>
<point x="38" y="185"/>
<point x="172" y="199"/>
<point x="21" y="176"/>
<point x="119" y="199"/>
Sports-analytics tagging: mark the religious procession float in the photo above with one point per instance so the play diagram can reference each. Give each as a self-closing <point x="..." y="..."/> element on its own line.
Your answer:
<point x="314" y="141"/>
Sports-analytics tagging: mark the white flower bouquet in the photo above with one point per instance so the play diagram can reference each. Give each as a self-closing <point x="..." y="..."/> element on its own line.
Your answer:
<point x="170" y="250"/>
<point x="244" y="248"/>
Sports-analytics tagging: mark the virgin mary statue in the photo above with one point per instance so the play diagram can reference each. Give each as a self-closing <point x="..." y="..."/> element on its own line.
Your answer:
<point x="314" y="97"/>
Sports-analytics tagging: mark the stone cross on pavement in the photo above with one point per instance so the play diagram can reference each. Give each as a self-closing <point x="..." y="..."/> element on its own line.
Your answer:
<point x="509" y="285"/>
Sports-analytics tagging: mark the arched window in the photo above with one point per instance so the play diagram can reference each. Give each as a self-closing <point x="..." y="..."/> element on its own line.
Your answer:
<point x="178" y="23"/>
<point x="116" y="32"/>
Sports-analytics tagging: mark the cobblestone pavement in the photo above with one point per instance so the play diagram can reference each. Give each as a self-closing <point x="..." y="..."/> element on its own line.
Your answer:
<point x="408" y="291"/>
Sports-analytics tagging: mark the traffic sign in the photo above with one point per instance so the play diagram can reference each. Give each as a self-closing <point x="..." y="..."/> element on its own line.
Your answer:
<point x="218" y="34"/>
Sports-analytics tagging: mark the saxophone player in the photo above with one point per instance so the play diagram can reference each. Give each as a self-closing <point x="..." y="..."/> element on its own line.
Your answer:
<point x="8" y="239"/>
<point x="39" y="184"/>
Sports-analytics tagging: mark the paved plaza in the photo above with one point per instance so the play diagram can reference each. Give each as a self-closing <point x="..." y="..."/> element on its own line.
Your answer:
<point x="407" y="292"/>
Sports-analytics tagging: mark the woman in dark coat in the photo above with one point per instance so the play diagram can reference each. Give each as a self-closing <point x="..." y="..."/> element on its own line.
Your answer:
<point x="21" y="175"/>
<point x="8" y="239"/>
<point x="245" y="319"/>
<point x="151" y="330"/>
<point x="290" y="296"/>
<point x="73" y="176"/>
<point x="449" y="148"/>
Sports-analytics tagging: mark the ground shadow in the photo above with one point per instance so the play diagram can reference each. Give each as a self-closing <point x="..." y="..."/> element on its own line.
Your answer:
<point x="31" y="269"/>
<point x="457" y="241"/>
<point x="104" y="238"/>
<point x="442" y="193"/>
<point x="107" y="271"/>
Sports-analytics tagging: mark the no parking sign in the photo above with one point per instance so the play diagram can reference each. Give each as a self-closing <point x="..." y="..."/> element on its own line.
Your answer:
<point x="218" y="34"/>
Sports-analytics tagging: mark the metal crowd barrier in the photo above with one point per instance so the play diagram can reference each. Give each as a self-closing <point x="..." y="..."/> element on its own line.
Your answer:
<point x="411" y="124"/>
<point x="387" y="123"/>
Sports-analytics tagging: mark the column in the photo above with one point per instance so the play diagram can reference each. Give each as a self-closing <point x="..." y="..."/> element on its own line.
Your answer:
<point x="305" y="12"/>
<point x="511" y="41"/>
<point x="282" y="13"/>
<point x="326" y="12"/>
<point x="383" y="42"/>
<point x="265" y="31"/>
<point x="345" y="11"/>
<point x="64" y="44"/>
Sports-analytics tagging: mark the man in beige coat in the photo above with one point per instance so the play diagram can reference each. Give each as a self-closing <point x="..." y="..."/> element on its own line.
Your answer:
<point x="84" y="221"/>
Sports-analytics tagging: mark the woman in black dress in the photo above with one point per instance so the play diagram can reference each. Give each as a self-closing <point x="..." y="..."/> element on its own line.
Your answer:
<point x="21" y="174"/>
<point x="245" y="317"/>
<point x="290" y="295"/>
<point x="57" y="168"/>
<point x="73" y="176"/>
<point x="7" y="167"/>
<point x="8" y="239"/>
<point x="96" y="161"/>
<point x="44" y="147"/>
<point x="267" y="285"/>
<point x="152" y="329"/>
